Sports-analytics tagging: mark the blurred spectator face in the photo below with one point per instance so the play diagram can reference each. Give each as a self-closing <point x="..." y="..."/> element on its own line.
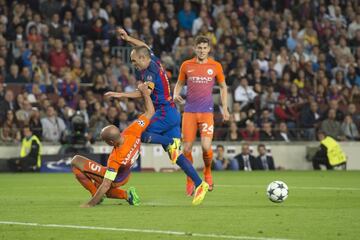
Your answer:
<point x="267" y="127"/>
<point x="27" y="132"/>
<point x="82" y="104"/>
<point x="112" y="113"/>
<point x="352" y="108"/>
<point x="332" y="114"/>
<point x="202" y="51"/>
<point x="233" y="127"/>
<point x="220" y="151"/>
<point x="348" y="119"/>
<point x="334" y="104"/>
<point x="9" y="96"/>
<point x="187" y="6"/>
<point x="131" y="107"/>
<point x="236" y="107"/>
<point x="9" y="116"/>
<point x="313" y="107"/>
<point x="261" y="150"/>
<point x="14" y="70"/>
<point x="123" y="117"/>
<point x="127" y="23"/>
<point x="26" y="72"/>
<point x="283" y="127"/>
<point x="50" y="112"/>
<point x="244" y="82"/>
<point x="245" y="150"/>
<point x="58" y="45"/>
<point x="250" y="127"/>
<point x="55" y="18"/>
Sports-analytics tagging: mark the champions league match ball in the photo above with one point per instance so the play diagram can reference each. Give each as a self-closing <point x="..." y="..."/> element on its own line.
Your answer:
<point x="277" y="191"/>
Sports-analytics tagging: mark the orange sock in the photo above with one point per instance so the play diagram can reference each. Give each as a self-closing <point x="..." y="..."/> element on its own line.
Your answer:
<point x="207" y="156"/>
<point x="188" y="155"/>
<point x="84" y="180"/>
<point x="117" y="193"/>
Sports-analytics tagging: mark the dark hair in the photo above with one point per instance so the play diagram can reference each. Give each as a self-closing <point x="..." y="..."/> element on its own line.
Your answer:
<point x="220" y="146"/>
<point x="202" y="39"/>
<point x="261" y="145"/>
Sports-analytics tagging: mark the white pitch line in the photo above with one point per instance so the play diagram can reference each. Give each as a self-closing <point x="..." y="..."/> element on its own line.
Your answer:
<point x="185" y="234"/>
<point x="294" y="187"/>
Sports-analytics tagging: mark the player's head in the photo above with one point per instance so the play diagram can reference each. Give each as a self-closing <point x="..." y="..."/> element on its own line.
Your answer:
<point x="202" y="47"/>
<point x="111" y="135"/>
<point x="140" y="57"/>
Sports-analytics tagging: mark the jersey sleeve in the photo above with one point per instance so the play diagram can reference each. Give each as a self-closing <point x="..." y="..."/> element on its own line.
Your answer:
<point x="137" y="127"/>
<point x="182" y="73"/>
<point x="220" y="77"/>
<point x="113" y="164"/>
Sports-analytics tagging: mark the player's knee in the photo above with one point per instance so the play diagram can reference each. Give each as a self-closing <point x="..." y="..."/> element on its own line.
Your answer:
<point x="76" y="160"/>
<point x="206" y="148"/>
<point x="187" y="148"/>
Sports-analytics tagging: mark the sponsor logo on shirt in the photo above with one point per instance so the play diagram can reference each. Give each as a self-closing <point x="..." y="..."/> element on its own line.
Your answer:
<point x="200" y="79"/>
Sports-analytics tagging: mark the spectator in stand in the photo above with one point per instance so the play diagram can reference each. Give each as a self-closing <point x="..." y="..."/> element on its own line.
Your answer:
<point x="246" y="161"/>
<point x="284" y="112"/>
<point x="244" y="94"/>
<point x="332" y="127"/>
<point x="7" y="104"/>
<point x="186" y="16"/>
<point x="13" y="76"/>
<point x="266" y="133"/>
<point x="58" y="58"/>
<point x="233" y="132"/>
<point x="9" y="132"/>
<point x="35" y="122"/>
<point x="350" y="129"/>
<point x="53" y="126"/>
<point x="283" y="133"/>
<point x="220" y="162"/>
<point x="310" y="118"/>
<point x="250" y="133"/>
<point x="265" y="161"/>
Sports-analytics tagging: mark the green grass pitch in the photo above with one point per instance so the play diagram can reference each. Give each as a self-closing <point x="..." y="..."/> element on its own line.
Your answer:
<point x="321" y="205"/>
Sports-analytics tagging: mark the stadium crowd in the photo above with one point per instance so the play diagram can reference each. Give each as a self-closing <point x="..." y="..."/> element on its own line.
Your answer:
<point x="292" y="67"/>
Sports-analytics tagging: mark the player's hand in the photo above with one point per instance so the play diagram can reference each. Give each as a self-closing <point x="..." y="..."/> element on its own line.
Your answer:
<point x="179" y="99"/>
<point x="113" y="95"/>
<point x="226" y="115"/>
<point x="144" y="89"/>
<point x="85" y="205"/>
<point x="122" y="34"/>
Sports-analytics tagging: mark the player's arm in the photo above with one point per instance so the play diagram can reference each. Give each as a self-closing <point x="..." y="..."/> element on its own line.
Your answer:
<point x="103" y="188"/>
<point x="135" y="94"/>
<point x="179" y="85"/>
<point x="224" y="97"/>
<point x="149" y="107"/>
<point x="124" y="36"/>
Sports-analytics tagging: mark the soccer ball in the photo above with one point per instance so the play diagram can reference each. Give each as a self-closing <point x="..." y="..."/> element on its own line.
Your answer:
<point x="277" y="191"/>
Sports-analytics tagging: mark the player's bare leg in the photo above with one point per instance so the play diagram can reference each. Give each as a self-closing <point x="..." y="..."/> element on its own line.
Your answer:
<point x="188" y="154"/>
<point x="79" y="164"/>
<point x="207" y="157"/>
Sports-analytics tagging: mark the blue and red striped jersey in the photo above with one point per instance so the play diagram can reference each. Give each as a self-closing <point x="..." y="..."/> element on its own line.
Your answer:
<point x="156" y="74"/>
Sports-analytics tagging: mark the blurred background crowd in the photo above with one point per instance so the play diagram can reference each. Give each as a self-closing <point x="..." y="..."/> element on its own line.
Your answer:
<point x="292" y="66"/>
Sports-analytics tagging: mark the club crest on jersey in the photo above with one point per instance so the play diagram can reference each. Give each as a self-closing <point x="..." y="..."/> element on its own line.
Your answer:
<point x="210" y="71"/>
<point x="141" y="123"/>
<point x="149" y="78"/>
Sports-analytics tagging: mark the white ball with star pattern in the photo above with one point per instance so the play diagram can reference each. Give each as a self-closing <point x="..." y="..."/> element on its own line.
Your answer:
<point x="277" y="191"/>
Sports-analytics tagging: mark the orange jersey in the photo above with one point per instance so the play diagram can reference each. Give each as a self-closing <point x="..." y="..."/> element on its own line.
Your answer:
<point x="123" y="157"/>
<point x="200" y="80"/>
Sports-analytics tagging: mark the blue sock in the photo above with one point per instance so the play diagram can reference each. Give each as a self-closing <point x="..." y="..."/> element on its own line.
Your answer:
<point x="188" y="168"/>
<point x="148" y="137"/>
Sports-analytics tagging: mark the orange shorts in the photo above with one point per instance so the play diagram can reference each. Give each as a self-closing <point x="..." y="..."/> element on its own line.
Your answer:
<point x="96" y="172"/>
<point x="191" y="122"/>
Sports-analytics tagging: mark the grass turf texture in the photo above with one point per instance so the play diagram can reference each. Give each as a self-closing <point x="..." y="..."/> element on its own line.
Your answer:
<point x="321" y="205"/>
